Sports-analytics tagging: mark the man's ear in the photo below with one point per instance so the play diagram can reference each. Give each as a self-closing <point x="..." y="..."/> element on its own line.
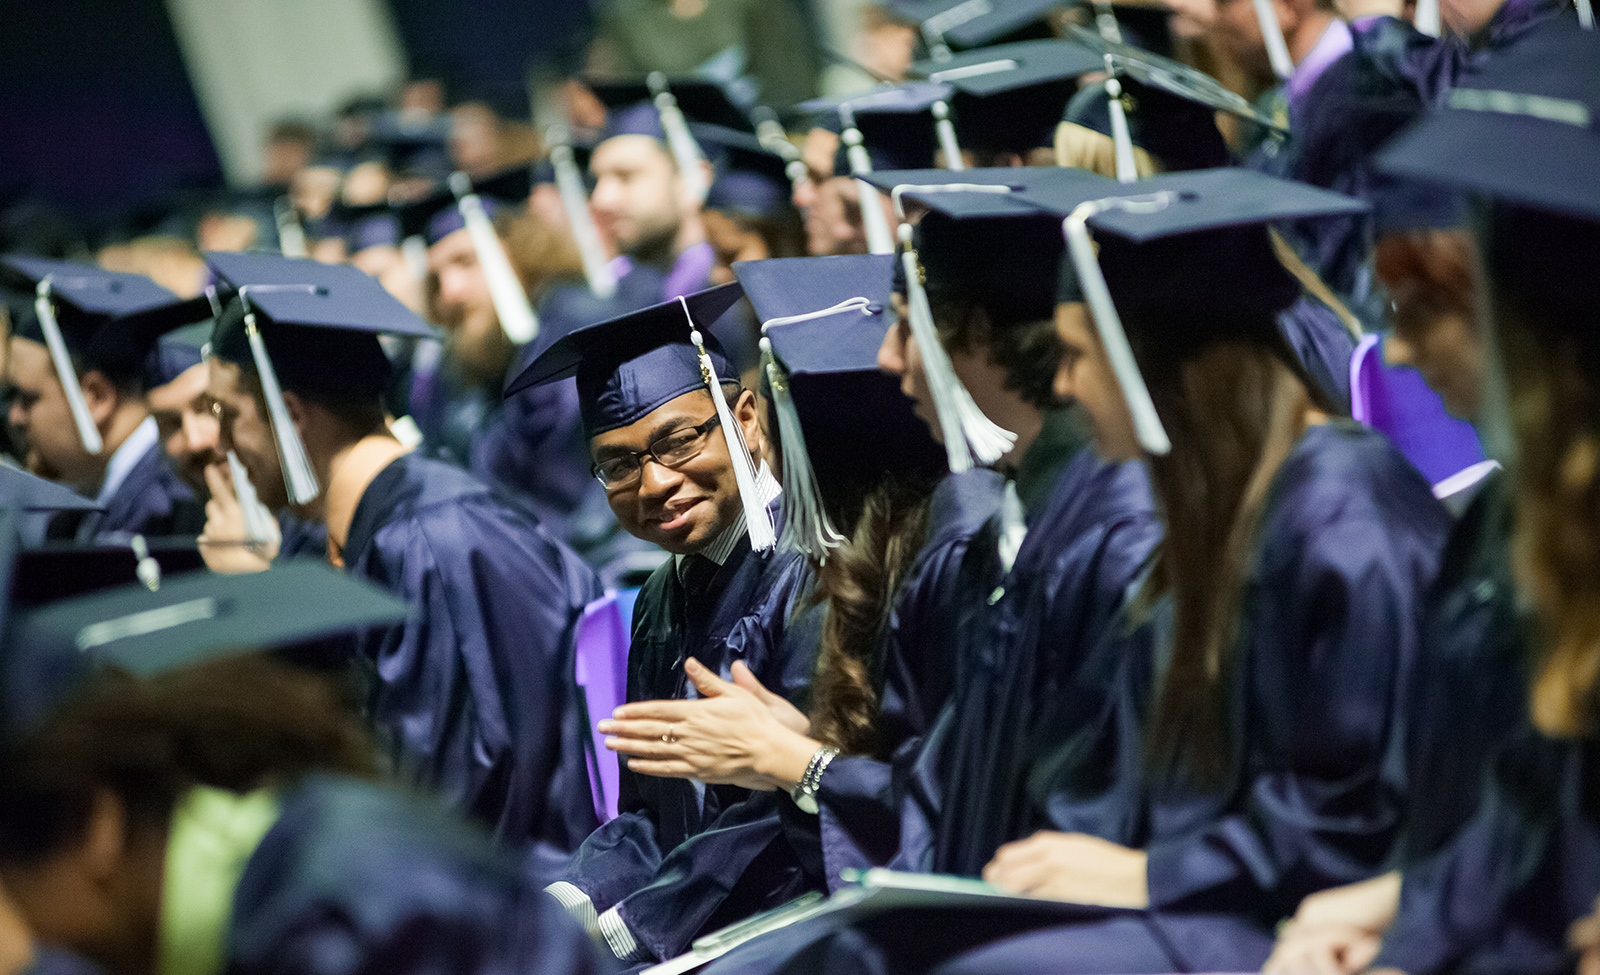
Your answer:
<point x="299" y="412"/>
<point x="747" y="412"/>
<point x="101" y="394"/>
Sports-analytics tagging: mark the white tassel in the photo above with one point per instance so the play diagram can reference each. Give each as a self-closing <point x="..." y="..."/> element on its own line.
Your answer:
<point x="298" y="477"/>
<point x="511" y="304"/>
<point x="873" y="223"/>
<point x="947" y="137"/>
<point x="966" y="431"/>
<point x="1121" y="138"/>
<point x="758" y="521"/>
<point x="806" y="526"/>
<point x="1426" y="18"/>
<point x="291" y="236"/>
<point x="259" y="525"/>
<point x="575" y="201"/>
<point x="1585" y="14"/>
<point x="45" y="308"/>
<point x="680" y="141"/>
<point x="1272" y="36"/>
<point x="1146" y="423"/>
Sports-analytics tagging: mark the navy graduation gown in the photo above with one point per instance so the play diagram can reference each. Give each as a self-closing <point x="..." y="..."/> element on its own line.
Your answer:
<point x="475" y="695"/>
<point x="354" y="879"/>
<point x="1500" y="898"/>
<point x="151" y="501"/>
<point x="680" y="856"/>
<point x="1470" y="688"/>
<point x="857" y="821"/>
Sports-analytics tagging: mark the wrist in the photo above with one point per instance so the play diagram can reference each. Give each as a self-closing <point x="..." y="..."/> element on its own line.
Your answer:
<point x="784" y="762"/>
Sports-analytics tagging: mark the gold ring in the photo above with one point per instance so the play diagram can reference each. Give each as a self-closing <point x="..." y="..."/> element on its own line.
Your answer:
<point x="669" y="737"/>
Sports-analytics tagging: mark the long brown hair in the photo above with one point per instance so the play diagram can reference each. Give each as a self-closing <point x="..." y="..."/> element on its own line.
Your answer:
<point x="858" y="584"/>
<point x="1550" y="339"/>
<point x="1233" y="412"/>
<point x="238" y="723"/>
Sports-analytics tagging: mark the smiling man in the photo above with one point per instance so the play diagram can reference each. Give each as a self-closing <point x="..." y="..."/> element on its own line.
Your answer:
<point x="682" y="857"/>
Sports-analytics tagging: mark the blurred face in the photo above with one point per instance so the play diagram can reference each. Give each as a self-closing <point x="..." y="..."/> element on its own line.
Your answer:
<point x="189" y="429"/>
<point x="639" y="198"/>
<point x="1239" y="33"/>
<point x="242" y="427"/>
<point x="833" y="220"/>
<point x="1085" y="375"/>
<point x="42" y="420"/>
<point x="1192" y="18"/>
<point x="900" y="356"/>
<point x="681" y="508"/>
<point x="465" y="310"/>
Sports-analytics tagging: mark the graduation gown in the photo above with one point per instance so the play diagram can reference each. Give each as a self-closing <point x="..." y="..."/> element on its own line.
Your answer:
<point x="1500" y="898"/>
<point x="475" y="695"/>
<point x="151" y="501"/>
<point x="1349" y="544"/>
<point x="856" y="823"/>
<point x="682" y="857"/>
<point x="354" y="879"/>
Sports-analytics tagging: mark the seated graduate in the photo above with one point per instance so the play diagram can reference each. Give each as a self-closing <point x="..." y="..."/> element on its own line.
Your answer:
<point x="1278" y="620"/>
<point x="1469" y="692"/>
<point x="885" y="597"/>
<point x="473" y="697"/>
<point x="172" y="801"/>
<point x="679" y="450"/>
<point x="1505" y="893"/>
<point x="81" y="408"/>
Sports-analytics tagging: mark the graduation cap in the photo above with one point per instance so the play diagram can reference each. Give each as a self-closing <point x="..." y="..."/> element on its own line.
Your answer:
<point x="412" y="146"/>
<point x="320" y="323"/>
<point x="1179" y="132"/>
<point x="1010" y="97"/>
<point x="841" y="420"/>
<point x="748" y="176"/>
<point x="629" y="366"/>
<point x="1525" y="128"/>
<point x="662" y="108"/>
<point x="54" y="649"/>
<point x="1173" y="77"/>
<point x="950" y="24"/>
<point x="467" y="204"/>
<point x="109" y="320"/>
<point x="29" y="492"/>
<point x="363" y="227"/>
<point x="1189" y="253"/>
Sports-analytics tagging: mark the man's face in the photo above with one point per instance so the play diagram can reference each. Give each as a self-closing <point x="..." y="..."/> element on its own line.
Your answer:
<point x="465" y="310"/>
<point x="42" y="420"/>
<point x="683" y="508"/>
<point x="189" y="428"/>
<point x="1239" y="33"/>
<point x="243" y="428"/>
<point x="639" y="197"/>
<point x="900" y="356"/>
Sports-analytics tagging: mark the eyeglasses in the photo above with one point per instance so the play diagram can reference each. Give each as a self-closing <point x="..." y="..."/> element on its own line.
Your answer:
<point x="677" y="448"/>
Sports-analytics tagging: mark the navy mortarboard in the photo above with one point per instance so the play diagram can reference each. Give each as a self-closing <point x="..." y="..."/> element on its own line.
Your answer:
<point x="1176" y="132"/>
<point x="842" y="422"/>
<point x="303" y="324"/>
<point x="1186" y="257"/>
<point x="1009" y="98"/>
<point x="105" y="320"/>
<point x="629" y="366"/>
<point x="52" y="649"/>
<point x="950" y="24"/>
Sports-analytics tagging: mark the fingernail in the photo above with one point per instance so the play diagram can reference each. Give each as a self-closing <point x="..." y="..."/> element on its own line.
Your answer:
<point x="606" y="727"/>
<point x="611" y="742"/>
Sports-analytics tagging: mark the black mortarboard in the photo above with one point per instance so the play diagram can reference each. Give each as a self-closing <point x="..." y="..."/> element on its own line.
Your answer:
<point x="52" y="572"/>
<point x="1173" y="77"/>
<point x="629" y="366"/>
<point x="843" y="423"/>
<point x="438" y="215"/>
<point x="1180" y="132"/>
<point x="972" y="23"/>
<point x="203" y="616"/>
<point x="748" y="177"/>
<point x="361" y="227"/>
<point x="896" y="123"/>
<point x="108" y="320"/>
<point x="1524" y="128"/>
<point x="310" y="327"/>
<point x="1187" y="256"/>
<point x="413" y="147"/>
<point x="938" y="188"/>
<point x="1009" y="98"/>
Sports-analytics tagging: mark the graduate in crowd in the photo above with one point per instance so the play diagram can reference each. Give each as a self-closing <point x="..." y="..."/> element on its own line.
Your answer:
<point x="173" y="801"/>
<point x="474" y="696"/>
<point x="83" y="416"/>
<point x="678" y="446"/>
<point x="887" y="591"/>
<point x="1248" y="724"/>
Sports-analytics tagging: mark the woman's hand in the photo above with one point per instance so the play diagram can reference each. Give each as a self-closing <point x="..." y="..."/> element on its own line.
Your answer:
<point x="1072" y="867"/>
<point x="1337" y="931"/>
<point x="735" y="734"/>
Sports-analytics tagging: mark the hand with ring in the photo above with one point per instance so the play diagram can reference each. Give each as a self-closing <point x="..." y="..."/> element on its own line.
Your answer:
<point x="736" y="733"/>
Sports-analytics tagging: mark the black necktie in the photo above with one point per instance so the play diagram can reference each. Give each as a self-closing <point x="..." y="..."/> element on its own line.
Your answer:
<point x="696" y="573"/>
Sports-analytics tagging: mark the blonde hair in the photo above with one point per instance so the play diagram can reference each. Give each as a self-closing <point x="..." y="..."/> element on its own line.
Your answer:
<point x="1080" y="147"/>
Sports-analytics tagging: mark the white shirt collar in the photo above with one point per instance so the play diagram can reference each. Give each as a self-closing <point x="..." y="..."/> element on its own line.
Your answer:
<point x="140" y="442"/>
